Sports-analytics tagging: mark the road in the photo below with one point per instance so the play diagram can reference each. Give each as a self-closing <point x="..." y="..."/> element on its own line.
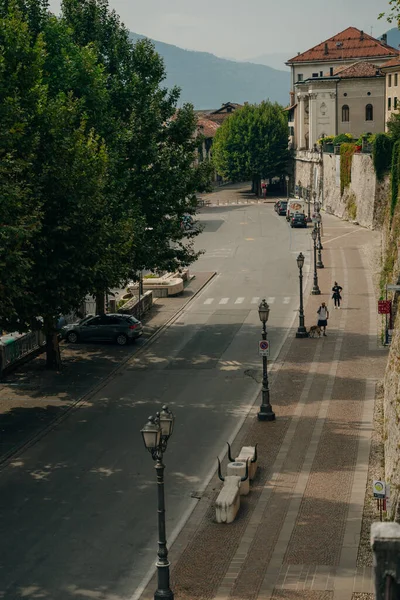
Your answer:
<point x="78" y="509"/>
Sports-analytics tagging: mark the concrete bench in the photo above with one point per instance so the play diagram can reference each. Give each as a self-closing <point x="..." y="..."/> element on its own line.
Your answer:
<point x="228" y="502"/>
<point x="249" y="453"/>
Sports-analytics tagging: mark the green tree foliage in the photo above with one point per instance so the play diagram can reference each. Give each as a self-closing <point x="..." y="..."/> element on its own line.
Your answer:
<point x="393" y="15"/>
<point x="97" y="165"/>
<point x="382" y="148"/>
<point x="22" y="95"/>
<point x="252" y="144"/>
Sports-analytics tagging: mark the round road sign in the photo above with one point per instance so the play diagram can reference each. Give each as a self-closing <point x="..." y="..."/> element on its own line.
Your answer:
<point x="264" y="345"/>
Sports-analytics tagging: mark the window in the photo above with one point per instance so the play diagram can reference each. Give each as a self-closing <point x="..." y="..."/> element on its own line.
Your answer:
<point x="315" y="74"/>
<point x="394" y="103"/>
<point x="94" y="322"/>
<point x="300" y="77"/>
<point x="389" y="103"/>
<point x="390" y="81"/>
<point x="321" y="73"/>
<point x="395" y="79"/>
<point x="369" y="112"/>
<point x="345" y="113"/>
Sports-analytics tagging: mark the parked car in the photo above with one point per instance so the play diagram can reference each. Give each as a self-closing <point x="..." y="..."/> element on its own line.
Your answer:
<point x="103" y="328"/>
<point x="282" y="208"/>
<point x="298" y="220"/>
<point x="276" y="205"/>
<point x="187" y="222"/>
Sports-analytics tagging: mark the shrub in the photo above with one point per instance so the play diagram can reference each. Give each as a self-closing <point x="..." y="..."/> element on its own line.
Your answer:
<point x="382" y="148"/>
<point x="346" y="157"/>
<point x="342" y="138"/>
<point x="394" y="177"/>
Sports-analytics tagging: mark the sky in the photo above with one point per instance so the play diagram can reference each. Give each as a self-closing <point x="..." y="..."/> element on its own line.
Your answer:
<point x="243" y="29"/>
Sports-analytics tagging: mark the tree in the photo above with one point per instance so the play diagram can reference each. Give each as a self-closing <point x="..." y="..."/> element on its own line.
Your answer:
<point x="252" y="144"/>
<point x="22" y="94"/>
<point x="152" y="177"/>
<point x="394" y="12"/>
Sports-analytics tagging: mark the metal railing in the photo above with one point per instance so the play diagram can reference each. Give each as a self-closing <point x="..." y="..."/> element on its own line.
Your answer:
<point x="20" y="347"/>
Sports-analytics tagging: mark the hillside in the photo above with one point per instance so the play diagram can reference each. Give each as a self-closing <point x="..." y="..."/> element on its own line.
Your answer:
<point x="208" y="81"/>
<point x="393" y="37"/>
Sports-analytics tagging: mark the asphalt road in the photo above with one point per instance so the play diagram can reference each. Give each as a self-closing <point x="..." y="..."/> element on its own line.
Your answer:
<point x="78" y="509"/>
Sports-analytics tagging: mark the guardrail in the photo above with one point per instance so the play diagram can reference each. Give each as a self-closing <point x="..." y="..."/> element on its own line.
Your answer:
<point x="19" y="348"/>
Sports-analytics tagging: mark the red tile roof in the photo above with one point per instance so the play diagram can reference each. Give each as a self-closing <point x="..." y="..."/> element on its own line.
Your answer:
<point x="207" y="127"/>
<point x="348" y="44"/>
<point x="358" y="69"/>
<point x="394" y="62"/>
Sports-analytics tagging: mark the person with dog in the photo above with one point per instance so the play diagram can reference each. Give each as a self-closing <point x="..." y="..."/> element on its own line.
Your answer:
<point x="323" y="316"/>
<point x="336" y="294"/>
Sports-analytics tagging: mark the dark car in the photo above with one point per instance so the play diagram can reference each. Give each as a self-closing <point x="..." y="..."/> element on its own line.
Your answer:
<point x="276" y="206"/>
<point x="104" y="328"/>
<point x="282" y="208"/>
<point x="298" y="220"/>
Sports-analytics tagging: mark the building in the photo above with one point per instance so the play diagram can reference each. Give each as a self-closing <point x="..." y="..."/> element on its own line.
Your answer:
<point x="392" y="87"/>
<point x="206" y="129"/>
<point x="338" y="87"/>
<point x="220" y="114"/>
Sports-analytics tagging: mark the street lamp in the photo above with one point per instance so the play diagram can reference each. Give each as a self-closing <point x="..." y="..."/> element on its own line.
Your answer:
<point x="156" y="434"/>
<point x="265" y="413"/>
<point x="299" y="188"/>
<point x="287" y="187"/>
<point x="315" y="290"/>
<point x="301" y="330"/>
<point x="320" y="264"/>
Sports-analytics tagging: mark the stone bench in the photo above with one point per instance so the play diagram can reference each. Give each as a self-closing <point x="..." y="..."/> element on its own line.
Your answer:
<point x="228" y="502"/>
<point x="160" y="286"/>
<point x="249" y="453"/>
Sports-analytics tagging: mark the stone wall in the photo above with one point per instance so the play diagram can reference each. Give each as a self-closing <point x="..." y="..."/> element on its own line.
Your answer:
<point x="308" y="170"/>
<point x="364" y="200"/>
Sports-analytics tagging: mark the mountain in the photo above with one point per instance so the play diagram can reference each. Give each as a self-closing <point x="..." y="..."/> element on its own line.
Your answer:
<point x="275" y="60"/>
<point x="393" y="37"/>
<point x="208" y="81"/>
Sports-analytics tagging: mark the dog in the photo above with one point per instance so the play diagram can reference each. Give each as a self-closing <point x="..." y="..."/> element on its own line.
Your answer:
<point x="314" y="331"/>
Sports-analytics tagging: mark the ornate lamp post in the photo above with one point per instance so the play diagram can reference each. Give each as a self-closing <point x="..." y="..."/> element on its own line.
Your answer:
<point x="299" y="188"/>
<point x="287" y="187"/>
<point x="315" y="290"/>
<point x="301" y="330"/>
<point x="265" y="413"/>
<point x="156" y="434"/>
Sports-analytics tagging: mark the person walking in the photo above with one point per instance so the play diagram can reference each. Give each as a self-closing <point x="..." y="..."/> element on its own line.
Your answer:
<point x="323" y="316"/>
<point x="336" y="294"/>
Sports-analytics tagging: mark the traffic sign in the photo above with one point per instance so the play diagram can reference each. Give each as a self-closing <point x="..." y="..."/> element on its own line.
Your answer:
<point x="384" y="307"/>
<point x="393" y="288"/>
<point x="379" y="488"/>
<point x="263" y="348"/>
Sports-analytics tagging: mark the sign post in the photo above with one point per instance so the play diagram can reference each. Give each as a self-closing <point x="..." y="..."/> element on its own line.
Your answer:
<point x="263" y="348"/>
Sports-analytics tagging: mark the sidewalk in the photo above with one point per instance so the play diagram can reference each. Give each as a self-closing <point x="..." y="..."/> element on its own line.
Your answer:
<point x="33" y="399"/>
<point x="298" y="532"/>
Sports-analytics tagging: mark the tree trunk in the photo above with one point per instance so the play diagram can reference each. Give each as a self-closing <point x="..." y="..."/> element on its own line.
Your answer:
<point x="100" y="303"/>
<point x="257" y="186"/>
<point x="53" y="355"/>
<point x="253" y="186"/>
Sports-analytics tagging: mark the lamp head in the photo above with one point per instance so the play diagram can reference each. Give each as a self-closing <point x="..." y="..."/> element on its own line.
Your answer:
<point x="151" y="433"/>
<point x="286" y="178"/>
<point x="166" y="419"/>
<point x="263" y="311"/>
<point x="314" y="234"/>
<point x="300" y="260"/>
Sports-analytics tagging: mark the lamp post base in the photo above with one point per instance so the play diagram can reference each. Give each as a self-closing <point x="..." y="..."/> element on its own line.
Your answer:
<point x="320" y="265"/>
<point x="163" y="595"/>
<point x="301" y="332"/>
<point x="315" y="291"/>
<point x="266" y="414"/>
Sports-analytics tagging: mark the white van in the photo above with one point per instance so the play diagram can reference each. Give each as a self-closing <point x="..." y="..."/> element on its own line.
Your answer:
<point x="294" y="207"/>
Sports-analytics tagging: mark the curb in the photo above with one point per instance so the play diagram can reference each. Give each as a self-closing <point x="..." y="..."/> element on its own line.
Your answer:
<point x="36" y="437"/>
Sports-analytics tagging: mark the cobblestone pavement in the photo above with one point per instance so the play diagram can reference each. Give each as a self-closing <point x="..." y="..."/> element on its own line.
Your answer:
<point x="297" y="533"/>
<point x="33" y="399"/>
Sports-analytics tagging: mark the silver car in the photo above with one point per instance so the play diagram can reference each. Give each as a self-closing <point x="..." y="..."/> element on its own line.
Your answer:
<point x="103" y="328"/>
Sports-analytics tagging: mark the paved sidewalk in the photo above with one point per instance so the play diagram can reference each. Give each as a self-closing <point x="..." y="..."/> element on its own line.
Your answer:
<point x="297" y="534"/>
<point x="33" y="399"/>
<point x="237" y="194"/>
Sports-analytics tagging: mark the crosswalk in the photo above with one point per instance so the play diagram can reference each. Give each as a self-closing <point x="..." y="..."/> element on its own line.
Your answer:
<point x="242" y="300"/>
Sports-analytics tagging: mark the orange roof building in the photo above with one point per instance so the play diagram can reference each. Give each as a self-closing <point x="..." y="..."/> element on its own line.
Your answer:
<point x="338" y="86"/>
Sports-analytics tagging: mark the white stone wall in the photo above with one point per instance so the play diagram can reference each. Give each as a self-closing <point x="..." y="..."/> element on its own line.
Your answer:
<point x="369" y="195"/>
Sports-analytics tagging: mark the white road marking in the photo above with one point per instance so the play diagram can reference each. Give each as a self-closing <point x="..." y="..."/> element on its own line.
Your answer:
<point x="239" y="300"/>
<point x="255" y="300"/>
<point x="271" y="300"/>
<point x="224" y="301"/>
<point x="209" y="301"/>
<point x="286" y="300"/>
